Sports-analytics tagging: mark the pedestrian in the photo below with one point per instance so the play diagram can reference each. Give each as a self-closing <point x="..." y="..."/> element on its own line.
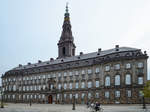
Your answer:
<point x="30" y="103"/>
<point x="97" y="105"/>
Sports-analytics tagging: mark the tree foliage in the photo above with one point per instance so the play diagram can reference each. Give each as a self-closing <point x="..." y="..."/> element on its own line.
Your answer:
<point x="146" y="90"/>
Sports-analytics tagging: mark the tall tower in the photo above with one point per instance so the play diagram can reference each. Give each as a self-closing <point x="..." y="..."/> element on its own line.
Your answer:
<point x="66" y="46"/>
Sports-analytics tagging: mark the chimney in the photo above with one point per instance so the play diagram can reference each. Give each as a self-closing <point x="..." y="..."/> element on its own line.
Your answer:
<point x="20" y="65"/>
<point x="81" y="53"/>
<point x="117" y="47"/>
<point x="51" y="59"/>
<point x="39" y="61"/>
<point x="29" y="63"/>
<point x="99" y="50"/>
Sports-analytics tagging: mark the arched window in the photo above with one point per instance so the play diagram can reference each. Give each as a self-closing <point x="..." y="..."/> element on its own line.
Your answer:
<point x="117" y="80"/>
<point x="107" y="81"/>
<point x="128" y="79"/>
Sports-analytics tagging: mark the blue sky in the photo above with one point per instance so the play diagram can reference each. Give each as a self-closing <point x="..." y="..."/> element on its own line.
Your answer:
<point x="30" y="29"/>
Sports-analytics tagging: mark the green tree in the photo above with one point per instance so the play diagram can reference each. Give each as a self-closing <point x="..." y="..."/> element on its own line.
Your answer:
<point x="146" y="90"/>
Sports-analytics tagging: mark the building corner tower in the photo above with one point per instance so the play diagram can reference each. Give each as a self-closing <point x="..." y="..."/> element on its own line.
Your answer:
<point x="66" y="46"/>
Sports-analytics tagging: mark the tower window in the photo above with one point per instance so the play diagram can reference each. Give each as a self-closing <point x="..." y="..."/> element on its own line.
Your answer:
<point x="73" y="52"/>
<point x="64" y="50"/>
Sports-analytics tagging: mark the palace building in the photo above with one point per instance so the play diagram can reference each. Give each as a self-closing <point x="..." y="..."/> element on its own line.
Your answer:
<point x="110" y="76"/>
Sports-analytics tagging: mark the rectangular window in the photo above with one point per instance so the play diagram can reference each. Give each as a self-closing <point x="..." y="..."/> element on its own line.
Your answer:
<point x="140" y="65"/>
<point x="39" y="96"/>
<point x="39" y="87"/>
<point x="65" y="86"/>
<point x="76" y="73"/>
<point x="13" y="96"/>
<point x="24" y="88"/>
<point x="83" y="95"/>
<point x="77" y="85"/>
<point x="27" y="88"/>
<point x="65" y="74"/>
<point x="97" y="84"/>
<point x="44" y="76"/>
<point x="83" y="85"/>
<point x="24" y="96"/>
<point x="35" y="96"/>
<point x="128" y="79"/>
<point x="65" y="96"/>
<point x="107" y="94"/>
<point x="70" y="85"/>
<point x="70" y="73"/>
<point x="89" y="71"/>
<point x="44" y="87"/>
<point x="51" y="86"/>
<point x="49" y="76"/>
<point x="59" y="74"/>
<point x="89" y="95"/>
<point x="70" y="96"/>
<point x="129" y="93"/>
<point x="140" y="80"/>
<point x="27" y="96"/>
<point x="59" y="86"/>
<point x="58" y="96"/>
<point x="117" y="66"/>
<point x="107" y="68"/>
<point x="43" y="96"/>
<point x="19" y="97"/>
<point x="31" y="96"/>
<point x="140" y="93"/>
<point x="117" y="94"/>
<point x="89" y="84"/>
<point x="76" y="96"/>
<point x="97" y="70"/>
<point x="128" y="66"/>
<point x="83" y="71"/>
<point x="31" y="88"/>
<point x="97" y="95"/>
<point x="53" y="75"/>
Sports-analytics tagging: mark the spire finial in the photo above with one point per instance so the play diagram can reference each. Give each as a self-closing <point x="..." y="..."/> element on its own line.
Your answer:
<point x="67" y="7"/>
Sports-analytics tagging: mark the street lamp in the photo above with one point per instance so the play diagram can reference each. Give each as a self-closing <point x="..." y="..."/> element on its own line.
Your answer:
<point x="144" y="105"/>
<point x="73" y="104"/>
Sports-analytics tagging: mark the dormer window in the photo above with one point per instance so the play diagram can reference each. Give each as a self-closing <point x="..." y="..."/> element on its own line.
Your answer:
<point x="107" y="68"/>
<point x="97" y="70"/>
<point x="128" y="66"/>
<point x="140" y="65"/>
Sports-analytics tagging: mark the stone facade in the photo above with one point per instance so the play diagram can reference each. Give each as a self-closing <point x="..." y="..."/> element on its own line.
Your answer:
<point x="111" y="76"/>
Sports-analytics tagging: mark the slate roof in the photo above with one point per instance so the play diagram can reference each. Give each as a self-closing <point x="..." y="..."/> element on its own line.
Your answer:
<point x="75" y="58"/>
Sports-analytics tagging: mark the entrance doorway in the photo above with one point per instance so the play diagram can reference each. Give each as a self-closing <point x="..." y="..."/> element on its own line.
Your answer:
<point x="50" y="99"/>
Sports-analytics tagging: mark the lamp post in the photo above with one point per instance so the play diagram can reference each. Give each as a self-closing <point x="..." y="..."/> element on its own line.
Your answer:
<point x="73" y="104"/>
<point x="144" y="105"/>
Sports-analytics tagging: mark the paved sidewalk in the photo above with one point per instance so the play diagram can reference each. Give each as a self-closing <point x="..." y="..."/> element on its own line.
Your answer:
<point x="68" y="108"/>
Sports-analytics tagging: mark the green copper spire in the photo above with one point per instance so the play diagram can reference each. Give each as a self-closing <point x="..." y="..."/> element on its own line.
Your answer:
<point x="67" y="13"/>
<point x="66" y="46"/>
<point x="67" y="7"/>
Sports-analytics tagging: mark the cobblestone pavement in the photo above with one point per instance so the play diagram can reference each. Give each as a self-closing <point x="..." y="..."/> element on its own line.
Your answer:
<point x="68" y="108"/>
